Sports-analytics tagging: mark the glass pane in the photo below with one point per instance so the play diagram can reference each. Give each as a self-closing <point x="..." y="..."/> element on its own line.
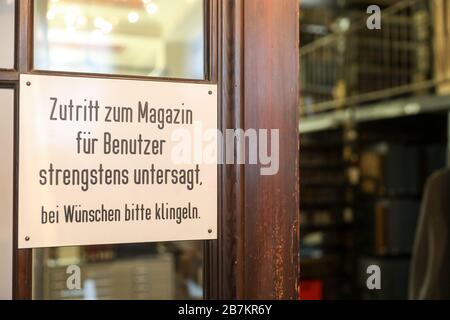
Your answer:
<point x="134" y="272"/>
<point x="6" y="192"/>
<point x="157" y="38"/>
<point x="7" y="12"/>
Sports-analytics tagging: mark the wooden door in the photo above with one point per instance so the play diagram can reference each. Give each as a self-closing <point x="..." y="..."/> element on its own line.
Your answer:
<point x="251" y="52"/>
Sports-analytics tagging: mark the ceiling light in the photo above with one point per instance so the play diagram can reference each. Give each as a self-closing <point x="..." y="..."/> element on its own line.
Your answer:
<point x="133" y="17"/>
<point x="152" y="8"/>
<point x="98" y="22"/>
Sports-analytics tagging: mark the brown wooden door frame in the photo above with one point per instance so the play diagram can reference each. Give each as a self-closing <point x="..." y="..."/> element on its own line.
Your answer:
<point x="257" y="253"/>
<point x="253" y="57"/>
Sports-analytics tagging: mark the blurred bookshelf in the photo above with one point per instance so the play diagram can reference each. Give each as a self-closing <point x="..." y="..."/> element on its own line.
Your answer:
<point x="375" y="110"/>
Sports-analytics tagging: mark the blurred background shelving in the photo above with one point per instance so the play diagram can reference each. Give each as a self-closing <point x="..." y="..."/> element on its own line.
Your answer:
<point x="374" y="126"/>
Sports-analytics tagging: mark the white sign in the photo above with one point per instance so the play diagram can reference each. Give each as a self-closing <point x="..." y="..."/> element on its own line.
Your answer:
<point x="105" y="161"/>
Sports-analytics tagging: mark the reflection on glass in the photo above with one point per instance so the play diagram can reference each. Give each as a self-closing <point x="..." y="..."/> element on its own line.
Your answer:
<point x="136" y="272"/>
<point x="6" y="192"/>
<point x="7" y="34"/>
<point x="157" y="38"/>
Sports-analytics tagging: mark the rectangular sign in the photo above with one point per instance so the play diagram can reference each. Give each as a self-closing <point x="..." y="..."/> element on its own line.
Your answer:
<point x="105" y="161"/>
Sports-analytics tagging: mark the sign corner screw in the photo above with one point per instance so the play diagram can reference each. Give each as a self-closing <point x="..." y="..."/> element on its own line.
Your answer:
<point x="210" y="231"/>
<point x="27" y="238"/>
<point x="28" y="83"/>
<point x="210" y="92"/>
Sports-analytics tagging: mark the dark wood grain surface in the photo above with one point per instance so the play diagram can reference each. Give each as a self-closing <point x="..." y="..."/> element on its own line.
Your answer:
<point x="271" y="100"/>
<point x="256" y="255"/>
